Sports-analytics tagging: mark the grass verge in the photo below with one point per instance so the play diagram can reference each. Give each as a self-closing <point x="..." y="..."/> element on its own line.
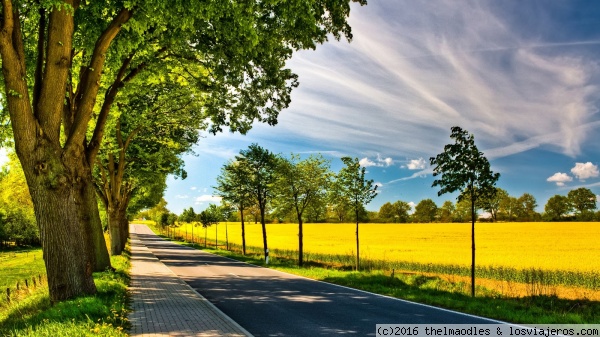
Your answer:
<point x="103" y="314"/>
<point x="433" y="290"/>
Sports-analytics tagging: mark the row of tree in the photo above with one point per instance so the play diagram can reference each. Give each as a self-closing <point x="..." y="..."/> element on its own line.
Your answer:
<point x="579" y="204"/>
<point x="292" y="187"/>
<point x="76" y="73"/>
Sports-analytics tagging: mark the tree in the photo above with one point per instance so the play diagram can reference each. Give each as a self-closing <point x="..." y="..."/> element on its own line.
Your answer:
<point x="446" y="212"/>
<point x="226" y="211"/>
<point x="261" y="165"/>
<point x="462" y="211"/>
<point x="492" y="204"/>
<point x="317" y="211"/>
<point x="401" y="209"/>
<point x="583" y="201"/>
<point x="299" y="184"/>
<point x="232" y="185"/>
<point x="143" y="141"/>
<point x="357" y="190"/>
<point x="188" y="215"/>
<point x="464" y="168"/>
<point x="54" y="55"/>
<point x="425" y="211"/>
<point x="557" y="207"/>
<point x="508" y="208"/>
<point x="207" y="218"/>
<point x="338" y="202"/>
<point x="526" y="205"/>
<point x="386" y="212"/>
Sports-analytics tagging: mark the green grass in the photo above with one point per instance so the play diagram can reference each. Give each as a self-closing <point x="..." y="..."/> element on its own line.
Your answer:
<point x="438" y="292"/>
<point x="19" y="265"/>
<point x="432" y="290"/>
<point x="103" y="314"/>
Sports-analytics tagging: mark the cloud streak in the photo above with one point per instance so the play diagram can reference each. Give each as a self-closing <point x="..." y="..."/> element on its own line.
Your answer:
<point x="436" y="65"/>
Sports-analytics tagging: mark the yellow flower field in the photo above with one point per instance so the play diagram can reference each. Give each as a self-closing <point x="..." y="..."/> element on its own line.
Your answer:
<point x="568" y="246"/>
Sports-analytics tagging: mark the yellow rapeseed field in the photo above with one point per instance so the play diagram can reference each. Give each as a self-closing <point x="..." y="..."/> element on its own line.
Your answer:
<point x="568" y="246"/>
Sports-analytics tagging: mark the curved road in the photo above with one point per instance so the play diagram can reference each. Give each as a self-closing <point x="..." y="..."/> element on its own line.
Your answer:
<point x="271" y="303"/>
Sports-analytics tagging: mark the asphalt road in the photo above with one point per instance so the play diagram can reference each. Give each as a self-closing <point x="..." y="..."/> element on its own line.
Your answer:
<point x="270" y="303"/>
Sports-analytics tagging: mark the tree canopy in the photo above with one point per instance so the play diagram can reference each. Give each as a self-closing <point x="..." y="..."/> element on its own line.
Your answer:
<point x="65" y="62"/>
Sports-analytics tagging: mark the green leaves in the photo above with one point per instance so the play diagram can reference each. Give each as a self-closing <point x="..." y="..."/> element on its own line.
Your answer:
<point x="464" y="168"/>
<point x="352" y="184"/>
<point x="300" y="183"/>
<point x="582" y="200"/>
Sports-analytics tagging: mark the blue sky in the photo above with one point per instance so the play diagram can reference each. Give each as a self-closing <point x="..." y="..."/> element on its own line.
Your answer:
<point x="522" y="76"/>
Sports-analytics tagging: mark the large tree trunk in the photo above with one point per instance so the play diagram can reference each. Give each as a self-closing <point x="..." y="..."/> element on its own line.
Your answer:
<point x="90" y="212"/>
<point x="56" y="167"/>
<point x="57" y="184"/>
<point x="114" y="230"/>
<point x="118" y="228"/>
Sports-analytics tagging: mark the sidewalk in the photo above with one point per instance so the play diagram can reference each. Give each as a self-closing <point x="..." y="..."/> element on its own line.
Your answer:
<point x="164" y="305"/>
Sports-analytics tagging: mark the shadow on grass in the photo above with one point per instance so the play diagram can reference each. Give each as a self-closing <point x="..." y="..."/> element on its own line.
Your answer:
<point x="437" y="292"/>
<point x="108" y="306"/>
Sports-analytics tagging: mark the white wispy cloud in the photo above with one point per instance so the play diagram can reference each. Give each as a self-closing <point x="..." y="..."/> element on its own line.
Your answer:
<point x="420" y="174"/>
<point x="585" y="170"/>
<point x="182" y="196"/>
<point x="419" y="68"/>
<point x="193" y="188"/>
<point x="560" y="178"/>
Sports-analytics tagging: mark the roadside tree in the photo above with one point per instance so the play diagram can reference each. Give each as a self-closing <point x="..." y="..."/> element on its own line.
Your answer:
<point x="260" y="165"/>
<point x="462" y="167"/>
<point x="54" y="55"/>
<point x="357" y="190"/>
<point x="233" y="187"/>
<point x="208" y="217"/>
<point x="300" y="183"/>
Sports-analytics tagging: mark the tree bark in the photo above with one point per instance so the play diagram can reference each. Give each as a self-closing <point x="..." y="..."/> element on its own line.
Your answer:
<point x="114" y="230"/>
<point x="357" y="248"/>
<point x="264" y="233"/>
<point x="91" y="213"/>
<point x="243" y="231"/>
<point x="58" y="191"/>
<point x="472" y="243"/>
<point x="300" y="242"/>
<point x="124" y="230"/>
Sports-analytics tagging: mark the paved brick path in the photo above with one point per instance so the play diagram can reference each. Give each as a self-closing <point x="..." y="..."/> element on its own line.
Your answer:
<point x="164" y="305"/>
